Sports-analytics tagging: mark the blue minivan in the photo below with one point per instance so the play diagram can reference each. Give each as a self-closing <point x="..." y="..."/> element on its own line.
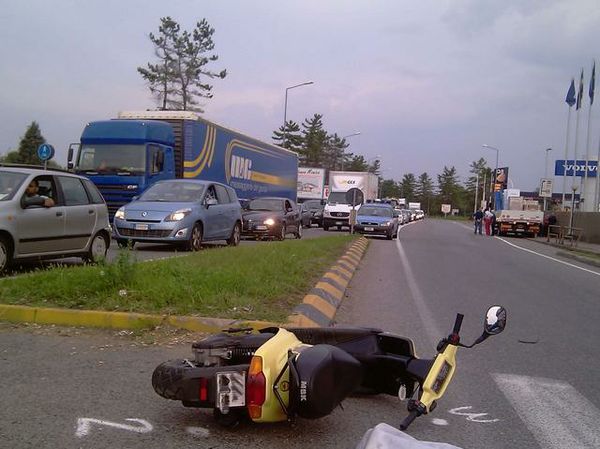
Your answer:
<point x="183" y="211"/>
<point x="377" y="219"/>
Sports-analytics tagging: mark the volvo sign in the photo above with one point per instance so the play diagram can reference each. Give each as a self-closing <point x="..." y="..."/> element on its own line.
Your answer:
<point x="565" y="168"/>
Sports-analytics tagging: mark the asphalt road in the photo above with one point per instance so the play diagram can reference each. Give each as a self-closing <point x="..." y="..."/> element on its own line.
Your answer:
<point x="534" y="386"/>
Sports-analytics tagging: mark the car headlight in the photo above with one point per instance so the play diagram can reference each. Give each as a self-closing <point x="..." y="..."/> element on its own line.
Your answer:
<point x="269" y="222"/>
<point x="386" y="223"/>
<point x="178" y="215"/>
<point x="120" y="214"/>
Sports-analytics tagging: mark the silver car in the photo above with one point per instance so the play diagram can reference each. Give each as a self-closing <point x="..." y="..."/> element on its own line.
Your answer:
<point x="183" y="211"/>
<point x="46" y="214"/>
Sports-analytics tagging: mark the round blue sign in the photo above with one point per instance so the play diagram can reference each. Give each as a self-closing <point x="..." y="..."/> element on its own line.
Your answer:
<point x="45" y="152"/>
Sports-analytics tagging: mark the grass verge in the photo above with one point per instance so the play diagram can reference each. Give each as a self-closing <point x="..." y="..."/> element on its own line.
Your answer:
<point x="263" y="281"/>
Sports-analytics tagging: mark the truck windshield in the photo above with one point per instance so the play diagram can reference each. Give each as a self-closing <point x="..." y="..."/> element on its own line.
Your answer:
<point x="10" y="183"/>
<point x="111" y="159"/>
<point x="337" y="197"/>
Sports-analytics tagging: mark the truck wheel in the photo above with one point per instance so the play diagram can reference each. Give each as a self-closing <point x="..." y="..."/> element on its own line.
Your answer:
<point x="234" y="239"/>
<point x="97" y="250"/>
<point x="195" y="241"/>
<point x="5" y="254"/>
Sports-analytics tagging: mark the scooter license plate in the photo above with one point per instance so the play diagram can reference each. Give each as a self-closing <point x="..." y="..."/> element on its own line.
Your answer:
<point x="231" y="390"/>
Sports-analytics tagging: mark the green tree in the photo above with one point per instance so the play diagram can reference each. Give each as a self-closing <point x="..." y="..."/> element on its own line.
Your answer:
<point x="179" y="78"/>
<point x="289" y="136"/>
<point x="408" y="187"/>
<point x="11" y="157"/>
<point x="357" y="163"/>
<point x="315" y="140"/>
<point x="390" y="189"/>
<point x="424" y="191"/>
<point x="28" y="146"/>
<point x="449" y="188"/>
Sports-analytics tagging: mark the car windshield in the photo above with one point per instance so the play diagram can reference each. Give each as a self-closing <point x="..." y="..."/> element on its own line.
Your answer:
<point x="313" y="205"/>
<point x="265" y="204"/>
<point x="10" y="183"/>
<point x="375" y="211"/>
<point x="174" y="192"/>
<point x="112" y="159"/>
<point x="337" y="197"/>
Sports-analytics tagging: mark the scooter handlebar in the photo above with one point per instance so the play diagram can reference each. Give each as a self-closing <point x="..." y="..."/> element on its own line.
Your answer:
<point x="458" y="323"/>
<point x="409" y="419"/>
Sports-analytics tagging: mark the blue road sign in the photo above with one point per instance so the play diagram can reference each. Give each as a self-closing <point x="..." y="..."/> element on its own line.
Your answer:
<point x="45" y="152"/>
<point x="565" y="168"/>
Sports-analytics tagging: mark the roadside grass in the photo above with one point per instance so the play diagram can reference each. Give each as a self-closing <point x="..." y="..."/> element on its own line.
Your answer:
<point x="262" y="282"/>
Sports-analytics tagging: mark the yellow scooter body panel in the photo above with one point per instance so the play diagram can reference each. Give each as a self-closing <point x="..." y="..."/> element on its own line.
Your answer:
<point x="440" y="376"/>
<point x="274" y="355"/>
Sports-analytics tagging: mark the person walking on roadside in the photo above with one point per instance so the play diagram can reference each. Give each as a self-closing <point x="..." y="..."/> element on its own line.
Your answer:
<point x="494" y="229"/>
<point x="487" y="221"/>
<point x="478" y="216"/>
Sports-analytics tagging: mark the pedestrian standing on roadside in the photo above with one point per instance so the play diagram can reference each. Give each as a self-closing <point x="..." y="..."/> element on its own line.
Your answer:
<point x="494" y="230"/>
<point x="487" y="221"/>
<point x="478" y="216"/>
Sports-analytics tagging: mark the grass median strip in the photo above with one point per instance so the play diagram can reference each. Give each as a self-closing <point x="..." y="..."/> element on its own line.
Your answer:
<point x="262" y="282"/>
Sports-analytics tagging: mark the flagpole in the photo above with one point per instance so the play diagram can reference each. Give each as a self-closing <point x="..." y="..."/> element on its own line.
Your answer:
<point x="587" y="156"/>
<point x="566" y="158"/>
<point x="597" y="192"/>
<point x="578" y="109"/>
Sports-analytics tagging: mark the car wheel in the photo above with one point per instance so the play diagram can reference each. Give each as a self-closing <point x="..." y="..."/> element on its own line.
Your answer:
<point x="282" y="233"/>
<point x="234" y="240"/>
<point x="195" y="241"/>
<point x="5" y="254"/>
<point x="325" y="228"/>
<point x="98" y="249"/>
<point x="125" y="243"/>
<point x="298" y="233"/>
<point x="390" y="235"/>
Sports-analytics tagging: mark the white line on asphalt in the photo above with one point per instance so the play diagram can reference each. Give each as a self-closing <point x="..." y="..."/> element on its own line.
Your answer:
<point x="433" y="332"/>
<point x="198" y="431"/>
<point x="555" y="413"/>
<point x="548" y="257"/>
<point x="84" y="425"/>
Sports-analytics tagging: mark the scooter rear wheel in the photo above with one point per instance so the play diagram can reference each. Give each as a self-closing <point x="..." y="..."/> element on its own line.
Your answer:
<point x="167" y="379"/>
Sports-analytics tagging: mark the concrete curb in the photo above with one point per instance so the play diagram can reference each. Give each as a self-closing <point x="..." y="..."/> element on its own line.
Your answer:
<point x="118" y="320"/>
<point x="320" y="305"/>
<point x="569" y="253"/>
<point x="578" y="258"/>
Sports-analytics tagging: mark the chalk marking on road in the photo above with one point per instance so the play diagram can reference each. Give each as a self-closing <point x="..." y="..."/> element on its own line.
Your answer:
<point x="557" y="415"/>
<point x="474" y="417"/>
<point x="198" y="431"/>
<point x="439" y="422"/>
<point x="548" y="257"/>
<point x="433" y="332"/>
<point x="84" y="425"/>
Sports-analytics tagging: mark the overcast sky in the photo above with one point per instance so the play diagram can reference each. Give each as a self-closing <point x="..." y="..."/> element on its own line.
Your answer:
<point x="425" y="82"/>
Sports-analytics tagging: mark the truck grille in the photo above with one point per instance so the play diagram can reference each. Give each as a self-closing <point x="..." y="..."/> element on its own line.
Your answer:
<point x="153" y="233"/>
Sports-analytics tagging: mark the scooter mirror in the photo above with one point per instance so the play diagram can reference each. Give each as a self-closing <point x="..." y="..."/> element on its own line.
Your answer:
<point x="495" y="320"/>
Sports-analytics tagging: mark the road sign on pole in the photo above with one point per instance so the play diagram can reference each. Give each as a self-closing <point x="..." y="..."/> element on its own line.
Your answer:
<point x="45" y="152"/>
<point x="354" y="197"/>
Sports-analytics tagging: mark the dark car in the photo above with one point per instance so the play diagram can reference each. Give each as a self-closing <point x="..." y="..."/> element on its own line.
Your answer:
<point x="271" y="217"/>
<point x="305" y="215"/>
<point x="316" y="209"/>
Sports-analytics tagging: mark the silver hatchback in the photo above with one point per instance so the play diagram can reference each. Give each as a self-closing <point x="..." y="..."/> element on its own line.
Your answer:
<point x="46" y="214"/>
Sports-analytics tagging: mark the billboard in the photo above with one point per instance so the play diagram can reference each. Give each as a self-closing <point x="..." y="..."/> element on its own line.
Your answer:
<point x="546" y="188"/>
<point x="501" y="179"/>
<point x="311" y="182"/>
<point x="565" y="168"/>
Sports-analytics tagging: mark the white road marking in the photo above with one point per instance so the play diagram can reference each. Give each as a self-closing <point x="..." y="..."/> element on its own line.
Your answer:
<point x="555" y="413"/>
<point x="84" y="425"/>
<point x="474" y="417"/>
<point x="548" y="257"/>
<point x="433" y="332"/>
<point x="198" y="431"/>
<point x="439" y="422"/>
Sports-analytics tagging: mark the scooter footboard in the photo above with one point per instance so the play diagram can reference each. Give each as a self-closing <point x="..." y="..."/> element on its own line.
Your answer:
<point x="203" y="387"/>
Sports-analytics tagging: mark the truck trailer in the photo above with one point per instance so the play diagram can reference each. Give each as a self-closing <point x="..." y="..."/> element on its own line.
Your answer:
<point x="125" y="156"/>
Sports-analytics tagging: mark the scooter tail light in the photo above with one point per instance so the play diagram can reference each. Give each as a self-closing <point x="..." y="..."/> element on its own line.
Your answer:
<point x="203" y="390"/>
<point x="256" y="388"/>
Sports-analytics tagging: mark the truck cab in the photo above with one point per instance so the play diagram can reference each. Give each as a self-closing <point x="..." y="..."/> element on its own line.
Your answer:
<point x="124" y="157"/>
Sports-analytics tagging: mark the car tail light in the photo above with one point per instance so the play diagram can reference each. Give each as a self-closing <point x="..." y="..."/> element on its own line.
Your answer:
<point x="256" y="388"/>
<point x="203" y="392"/>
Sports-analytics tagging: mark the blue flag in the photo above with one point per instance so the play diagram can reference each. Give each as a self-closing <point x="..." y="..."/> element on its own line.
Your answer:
<point x="592" y="84"/>
<point x="580" y="93"/>
<point x="571" y="94"/>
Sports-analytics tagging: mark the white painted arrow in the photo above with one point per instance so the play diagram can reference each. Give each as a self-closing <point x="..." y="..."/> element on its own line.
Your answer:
<point x="84" y="425"/>
<point x="555" y="413"/>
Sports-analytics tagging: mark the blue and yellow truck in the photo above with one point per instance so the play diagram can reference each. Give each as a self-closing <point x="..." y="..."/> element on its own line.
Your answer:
<point x="125" y="156"/>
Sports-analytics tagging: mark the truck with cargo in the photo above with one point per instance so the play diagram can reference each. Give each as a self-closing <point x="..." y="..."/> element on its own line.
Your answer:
<point x="521" y="216"/>
<point x="125" y="156"/>
<point x="337" y="210"/>
<point x="311" y="183"/>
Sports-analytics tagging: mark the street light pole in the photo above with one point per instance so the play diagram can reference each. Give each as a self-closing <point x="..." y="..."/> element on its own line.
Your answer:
<point x="285" y="109"/>
<point x="546" y="176"/>
<point x="492" y="192"/>
<point x="376" y="158"/>
<point x="345" y="137"/>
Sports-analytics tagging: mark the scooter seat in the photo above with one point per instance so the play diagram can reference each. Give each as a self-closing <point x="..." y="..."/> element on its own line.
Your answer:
<point x="323" y="376"/>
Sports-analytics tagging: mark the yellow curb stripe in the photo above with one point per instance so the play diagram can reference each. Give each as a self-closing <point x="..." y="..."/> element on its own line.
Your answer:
<point x="340" y="280"/>
<point x="348" y="265"/>
<point x="301" y="321"/>
<point x="320" y="304"/>
<point x="352" y="261"/>
<point x="342" y="270"/>
<point x="330" y="289"/>
<point x="355" y="252"/>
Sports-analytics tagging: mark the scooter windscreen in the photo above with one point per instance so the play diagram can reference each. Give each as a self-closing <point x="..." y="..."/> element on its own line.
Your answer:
<point x="320" y="378"/>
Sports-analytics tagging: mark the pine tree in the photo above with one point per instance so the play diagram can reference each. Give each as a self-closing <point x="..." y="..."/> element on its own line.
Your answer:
<point x="424" y="191"/>
<point x="289" y="136"/>
<point x="315" y="142"/>
<point x="28" y="146"/>
<point x="390" y="189"/>
<point x="408" y="187"/>
<point x="448" y="186"/>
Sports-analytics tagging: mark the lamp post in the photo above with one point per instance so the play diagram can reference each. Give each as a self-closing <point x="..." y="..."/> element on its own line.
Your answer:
<point x="492" y="192"/>
<point x="546" y="176"/>
<point x="345" y="137"/>
<point x="376" y="158"/>
<point x="285" y="108"/>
